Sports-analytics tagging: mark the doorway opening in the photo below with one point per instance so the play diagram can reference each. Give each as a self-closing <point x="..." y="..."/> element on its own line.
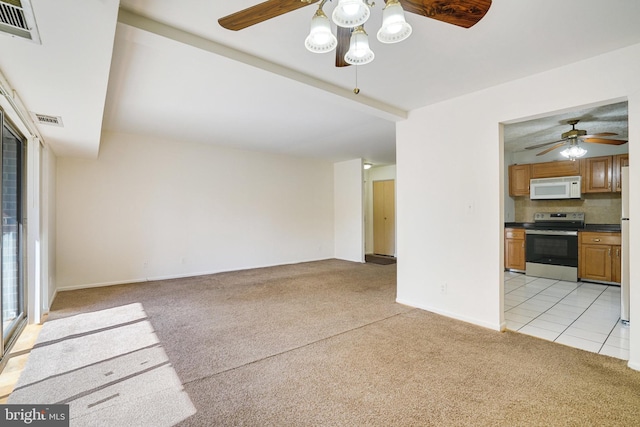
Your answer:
<point x="583" y="312"/>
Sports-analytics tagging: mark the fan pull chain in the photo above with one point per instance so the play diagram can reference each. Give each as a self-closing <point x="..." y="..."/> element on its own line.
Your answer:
<point x="356" y="89"/>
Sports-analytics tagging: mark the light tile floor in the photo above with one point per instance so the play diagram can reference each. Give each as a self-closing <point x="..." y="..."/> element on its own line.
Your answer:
<point x="578" y="314"/>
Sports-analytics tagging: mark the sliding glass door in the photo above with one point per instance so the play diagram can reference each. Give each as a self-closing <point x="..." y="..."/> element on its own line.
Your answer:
<point x="12" y="295"/>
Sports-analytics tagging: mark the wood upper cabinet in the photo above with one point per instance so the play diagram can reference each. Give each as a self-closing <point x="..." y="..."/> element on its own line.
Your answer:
<point x="619" y="161"/>
<point x="597" y="174"/>
<point x="599" y="256"/>
<point x="555" y="169"/>
<point x="514" y="255"/>
<point x="519" y="178"/>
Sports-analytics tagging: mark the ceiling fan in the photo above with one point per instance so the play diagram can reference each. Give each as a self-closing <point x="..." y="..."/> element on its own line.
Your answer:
<point x="462" y="13"/>
<point x="570" y="138"/>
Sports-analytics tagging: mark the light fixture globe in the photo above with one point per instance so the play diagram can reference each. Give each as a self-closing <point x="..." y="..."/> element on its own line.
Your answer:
<point x="350" y="13"/>
<point x="320" y="38"/>
<point x="573" y="151"/>
<point x="394" y="27"/>
<point x="359" y="52"/>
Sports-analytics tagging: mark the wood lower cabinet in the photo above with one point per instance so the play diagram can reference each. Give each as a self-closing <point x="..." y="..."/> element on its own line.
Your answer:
<point x="616" y="263"/>
<point x="599" y="256"/>
<point x="519" y="179"/>
<point x="514" y="239"/>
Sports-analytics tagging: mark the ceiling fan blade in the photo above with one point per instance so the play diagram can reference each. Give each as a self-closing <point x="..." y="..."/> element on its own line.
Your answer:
<point x="463" y="13"/>
<point x="260" y="13"/>
<point x="544" y="144"/>
<point x="596" y="135"/>
<point x="604" y="141"/>
<point x="344" y="37"/>
<point x="550" y="149"/>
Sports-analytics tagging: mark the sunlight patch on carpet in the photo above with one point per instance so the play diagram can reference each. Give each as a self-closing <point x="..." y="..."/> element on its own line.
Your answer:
<point x="108" y="366"/>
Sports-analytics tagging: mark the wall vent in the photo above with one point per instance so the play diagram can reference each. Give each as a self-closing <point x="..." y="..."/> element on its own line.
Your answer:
<point x="48" y="120"/>
<point x="17" y="20"/>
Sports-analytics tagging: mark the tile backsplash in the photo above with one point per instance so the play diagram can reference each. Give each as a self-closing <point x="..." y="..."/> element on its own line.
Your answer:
<point x="599" y="208"/>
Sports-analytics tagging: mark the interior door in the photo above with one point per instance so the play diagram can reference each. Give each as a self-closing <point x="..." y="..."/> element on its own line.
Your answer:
<point x="384" y="217"/>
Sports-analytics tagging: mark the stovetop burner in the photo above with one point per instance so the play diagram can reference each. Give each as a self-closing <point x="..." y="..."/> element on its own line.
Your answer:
<point x="558" y="220"/>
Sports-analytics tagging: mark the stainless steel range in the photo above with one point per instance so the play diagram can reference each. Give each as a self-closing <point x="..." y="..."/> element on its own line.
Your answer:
<point x="552" y="245"/>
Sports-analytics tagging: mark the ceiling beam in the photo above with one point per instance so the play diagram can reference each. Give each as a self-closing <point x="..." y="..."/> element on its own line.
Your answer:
<point x="362" y="103"/>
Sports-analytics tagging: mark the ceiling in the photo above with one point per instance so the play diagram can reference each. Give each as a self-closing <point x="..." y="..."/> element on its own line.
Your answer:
<point x="166" y="69"/>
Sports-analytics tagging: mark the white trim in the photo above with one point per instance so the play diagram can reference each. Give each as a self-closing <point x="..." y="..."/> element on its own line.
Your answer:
<point x="34" y="251"/>
<point x="494" y="326"/>
<point x="170" y="277"/>
<point x="634" y="366"/>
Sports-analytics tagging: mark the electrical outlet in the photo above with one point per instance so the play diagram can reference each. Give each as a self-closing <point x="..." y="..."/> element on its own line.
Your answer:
<point x="443" y="288"/>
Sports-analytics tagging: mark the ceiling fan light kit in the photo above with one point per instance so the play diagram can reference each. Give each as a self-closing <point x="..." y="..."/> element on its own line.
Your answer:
<point x="573" y="152"/>
<point x="320" y="38"/>
<point x="359" y="52"/>
<point x="394" y="28"/>
<point x="351" y="13"/>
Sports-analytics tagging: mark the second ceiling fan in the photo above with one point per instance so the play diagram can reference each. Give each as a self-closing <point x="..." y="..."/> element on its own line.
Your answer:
<point x="462" y="13"/>
<point x="571" y="139"/>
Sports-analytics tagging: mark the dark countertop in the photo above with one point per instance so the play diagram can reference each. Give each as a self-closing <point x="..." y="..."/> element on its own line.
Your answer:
<point x="613" y="228"/>
<point x="518" y="225"/>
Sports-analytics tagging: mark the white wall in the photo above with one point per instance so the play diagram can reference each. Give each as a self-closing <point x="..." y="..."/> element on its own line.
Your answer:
<point x="377" y="173"/>
<point x="150" y="209"/>
<point x="349" y="210"/>
<point x="450" y="230"/>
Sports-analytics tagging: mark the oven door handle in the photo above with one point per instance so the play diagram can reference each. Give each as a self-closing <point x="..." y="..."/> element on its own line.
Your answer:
<point x="552" y="232"/>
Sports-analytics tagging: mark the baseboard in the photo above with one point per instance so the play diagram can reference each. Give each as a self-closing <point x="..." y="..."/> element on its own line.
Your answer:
<point x="488" y="325"/>
<point x="173" y="276"/>
<point x="633" y="365"/>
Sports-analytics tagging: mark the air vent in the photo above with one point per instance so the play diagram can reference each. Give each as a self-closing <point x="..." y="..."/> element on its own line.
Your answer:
<point x="48" y="120"/>
<point x="17" y="20"/>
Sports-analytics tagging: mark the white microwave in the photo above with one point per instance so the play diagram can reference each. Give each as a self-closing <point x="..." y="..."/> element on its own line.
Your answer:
<point x="566" y="187"/>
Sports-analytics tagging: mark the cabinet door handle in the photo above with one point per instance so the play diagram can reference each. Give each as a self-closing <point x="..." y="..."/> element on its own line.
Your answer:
<point x="618" y="252"/>
<point x="596" y="240"/>
<point x="609" y="251"/>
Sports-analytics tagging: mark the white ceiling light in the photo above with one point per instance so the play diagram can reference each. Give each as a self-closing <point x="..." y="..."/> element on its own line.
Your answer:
<point x="320" y="39"/>
<point x="353" y="14"/>
<point x="394" y="27"/>
<point x="359" y="51"/>
<point x="573" y="151"/>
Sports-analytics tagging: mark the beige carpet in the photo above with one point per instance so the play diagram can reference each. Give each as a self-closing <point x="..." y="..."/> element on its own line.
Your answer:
<point x="324" y="343"/>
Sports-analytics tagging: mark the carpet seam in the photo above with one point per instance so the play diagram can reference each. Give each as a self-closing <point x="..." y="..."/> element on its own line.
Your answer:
<point x="295" y="348"/>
